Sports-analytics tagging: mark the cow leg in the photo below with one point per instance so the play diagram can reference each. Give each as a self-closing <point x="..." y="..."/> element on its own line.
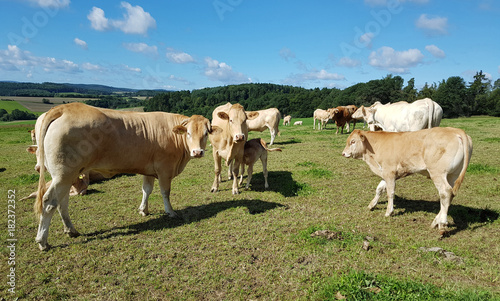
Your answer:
<point x="263" y="159"/>
<point x="250" y="173"/>
<point x="235" y="169"/>
<point x="273" y="135"/>
<point x="165" y="184"/>
<point x="445" y="197"/>
<point x="147" y="187"/>
<point x="378" y="192"/>
<point x="217" y="167"/>
<point x="229" y="173"/>
<point x="55" y="192"/>
<point x="242" y="173"/>
<point x="390" y="187"/>
<point x="63" y="209"/>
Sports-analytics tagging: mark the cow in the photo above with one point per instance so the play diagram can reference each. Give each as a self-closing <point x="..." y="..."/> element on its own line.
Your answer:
<point x="298" y="122"/>
<point x="269" y="118"/>
<point x="442" y="154"/>
<point x="230" y="144"/>
<point x="322" y="116"/>
<point x="402" y="116"/>
<point x="76" y="138"/>
<point x="342" y="116"/>
<point x="287" y="119"/>
<point x="255" y="149"/>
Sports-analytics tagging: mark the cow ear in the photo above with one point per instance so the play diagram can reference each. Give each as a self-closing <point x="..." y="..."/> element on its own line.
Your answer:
<point x="179" y="129"/>
<point x="215" y="130"/>
<point x="362" y="137"/>
<point x="223" y="115"/>
<point x="185" y="122"/>
<point x="32" y="149"/>
<point x="252" y="115"/>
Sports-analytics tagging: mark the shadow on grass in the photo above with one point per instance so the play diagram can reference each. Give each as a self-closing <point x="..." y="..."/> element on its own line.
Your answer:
<point x="186" y="216"/>
<point x="289" y="141"/>
<point x="463" y="217"/>
<point x="279" y="181"/>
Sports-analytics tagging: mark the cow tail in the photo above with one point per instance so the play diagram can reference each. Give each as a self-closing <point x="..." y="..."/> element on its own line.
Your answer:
<point x="264" y="145"/>
<point x="52" y="115"/>
<point x="430" y="106"/>
<point x="467" y="144"/>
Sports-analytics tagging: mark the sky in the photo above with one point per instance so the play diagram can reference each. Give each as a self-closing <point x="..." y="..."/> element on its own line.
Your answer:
<point x="187" y="44"/>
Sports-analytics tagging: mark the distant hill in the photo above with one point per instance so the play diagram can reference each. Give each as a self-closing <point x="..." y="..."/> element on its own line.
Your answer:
<point x="47" y="89"/>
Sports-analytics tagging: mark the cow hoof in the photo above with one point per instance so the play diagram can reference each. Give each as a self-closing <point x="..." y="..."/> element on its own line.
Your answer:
<point x="172" y="214"/>
<point x="213" y="189"/>
<point x="73" y="234"/>
<point x="387" y="214"/>
<point x="144" y="213"/>
<point x="44" y="247"/>
<point x="236" y="192"/>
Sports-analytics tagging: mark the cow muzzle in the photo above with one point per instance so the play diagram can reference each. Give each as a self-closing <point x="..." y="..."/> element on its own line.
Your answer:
<point x="197" y="153"/>
<point x="239" y="137"/>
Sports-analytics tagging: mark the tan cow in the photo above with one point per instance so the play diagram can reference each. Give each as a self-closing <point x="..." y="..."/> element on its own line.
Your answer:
<point x="269" y="118"/>
<point x="322" y="116"/>
<point x="230" y="144"/>
<point x="298" y="122"/>
<point x="76" y="138"/>
<point x="442" y="154"/>
<point x="255" y="149"/>
<point x="287" y="120"/>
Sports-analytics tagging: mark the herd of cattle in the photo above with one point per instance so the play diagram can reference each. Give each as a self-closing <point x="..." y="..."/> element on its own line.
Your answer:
<point x="76" y="143"/>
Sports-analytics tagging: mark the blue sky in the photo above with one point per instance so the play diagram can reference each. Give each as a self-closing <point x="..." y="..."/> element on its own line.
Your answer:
<point x="187" y="44"/>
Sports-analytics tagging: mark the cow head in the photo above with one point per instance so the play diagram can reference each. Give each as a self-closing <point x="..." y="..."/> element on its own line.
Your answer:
<point x="332" y="112"/>
<point x="196" y="128"/>
<point x="236" y="118"/>
<point x="355" y="146"/>
<point x="359" y="114"/>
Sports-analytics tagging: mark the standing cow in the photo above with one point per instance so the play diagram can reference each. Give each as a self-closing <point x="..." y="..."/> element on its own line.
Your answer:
<point x="442" y="154"/>
<point x="76" y="138"/>
<point x="402" y="116"/>
<point x="256" y="149"/>
<point x="287" y="120"/>
<point x="342" y="115"/>
<point x="230" y="144"/>
<point x="269" y="118"/>
<point x="322" y="116"/>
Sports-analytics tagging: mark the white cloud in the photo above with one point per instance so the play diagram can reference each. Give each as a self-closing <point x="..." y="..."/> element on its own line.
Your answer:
<point x="93" y="67"/>
<point x="395" y="61"/>
<point x="286" y="54"/>
<point x="127" y="68"/>
<point x="81" y="43"/>
<point x="97" y="19"/>
<point x="348" y="62"/>
<point x="15" y="59"/>
<point x="178" y="57"/>
<point x="221" y="71"/>
<point x="433" y="25"/>
<point x="435" y="51"/>
<point x="141" y="48"/>
<point x="51" y="3"/>
<point x="135" y="20"/>
<point x="314" y="75"/>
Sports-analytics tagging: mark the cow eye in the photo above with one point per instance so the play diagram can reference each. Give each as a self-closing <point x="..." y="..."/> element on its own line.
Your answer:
<point x="230" y="120"/>
<point x="353" y="141"/>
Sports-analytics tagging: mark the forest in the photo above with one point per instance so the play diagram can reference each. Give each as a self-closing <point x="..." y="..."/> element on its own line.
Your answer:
<point x="456" y="96"/>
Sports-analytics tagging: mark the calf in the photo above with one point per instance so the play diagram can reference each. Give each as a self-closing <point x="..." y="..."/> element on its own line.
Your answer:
<point x="297" y="123"/>
<point x="287" y="119"/>
<point x="442" y="154"/>
<point x="255" y="149"/>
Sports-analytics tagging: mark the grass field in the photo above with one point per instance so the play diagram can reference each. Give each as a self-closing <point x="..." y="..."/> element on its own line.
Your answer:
<point x="35" y="104"/>
<point x="257" y="245"/>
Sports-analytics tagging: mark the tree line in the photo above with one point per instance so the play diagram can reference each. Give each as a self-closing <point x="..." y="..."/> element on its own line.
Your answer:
<point x="455" y="95"/>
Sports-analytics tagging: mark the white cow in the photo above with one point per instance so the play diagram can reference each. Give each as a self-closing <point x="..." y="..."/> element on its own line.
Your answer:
<point x="402" y="116"/>
<point x="322" y="116"/>
<point x="298" y="122"/>
<point x="269" y="118"/>
<point x="287" y="119"/>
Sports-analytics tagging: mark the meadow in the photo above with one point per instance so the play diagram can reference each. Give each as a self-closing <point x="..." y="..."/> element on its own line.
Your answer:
<point x="258" y="245"/>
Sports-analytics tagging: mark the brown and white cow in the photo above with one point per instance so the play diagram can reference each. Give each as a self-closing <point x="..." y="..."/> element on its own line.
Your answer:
<point x="442" y="154"/>
<point x="287" y="120"/>
<point x="342" y="115"/>
<point x="269" y="118"/>
<point x="322" y="116"/>
<point x="402" y="116"/>
<point x="255" y="149"/>
<point x="230" y="144"/>
<point x="76" y="138"/>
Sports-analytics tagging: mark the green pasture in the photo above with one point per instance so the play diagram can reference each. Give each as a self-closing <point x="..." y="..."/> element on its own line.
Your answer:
<point x="258" y="245"/>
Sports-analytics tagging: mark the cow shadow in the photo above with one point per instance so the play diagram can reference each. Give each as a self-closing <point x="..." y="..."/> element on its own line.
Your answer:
<point x="279" y="181"/>
<point x="185" y="216"/>
<point x="289" y="141"/>
<point x="463" y="217"/>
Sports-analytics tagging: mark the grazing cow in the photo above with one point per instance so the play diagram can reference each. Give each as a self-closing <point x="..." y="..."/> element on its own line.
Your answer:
<point x="269" y="118"/>
<point x="442" y="154"/>
<point x="255" y="149"/>
<point x="287" y="119"/>
<point x="322" y="116"/>
<point x="76" y="138"/>
<point x="342" y="116"/>
<point x="402" y="116"/>
<point x="230" y="144"/>
<point x="297" y="123"/>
